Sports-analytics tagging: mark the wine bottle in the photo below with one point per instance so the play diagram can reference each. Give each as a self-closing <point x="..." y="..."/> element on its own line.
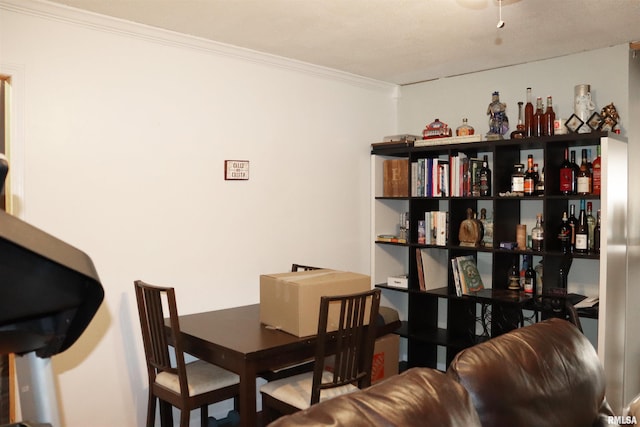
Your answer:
<point x="513" y="282"/>
<point x="530" y="277"/>
<point x="583" y="178"/>
<point x="566" y="174"/>
<point x="549" y="118"/>
<point x="573" y="225"/>
<point x="582" y="231"/>
<point x="574" y="174"/>
<point x="538" y="119"/>
<point x="596" y="234"/>
<point x="591" y="225"/>
<point x="596" y="182"/>
<point x="529" y="178"/>
<point x="539" y="179"/>
<point x="523" y="272"/>
<point x="537" y="235"/>
<point x="564" y="234"/>
<point x="485" y="177"/>
<point x="528" y="114"/>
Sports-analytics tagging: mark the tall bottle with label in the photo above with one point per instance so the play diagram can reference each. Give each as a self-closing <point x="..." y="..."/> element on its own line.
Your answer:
<point x="566" y="175"/>
<point x="549" y="118"/>
<point x="575" y="169"/>
<point x="528" y="114"/>
<point x="591" y="225"/>
<point x="564" y="234"/>
<point x="530" y="277"/>
<point x="529" y="178"/>
<point x="538" y="119"/>
<point x="573" y="226"/>
<point x="582" y="231"/>
<point x="583" y="178"/>
<point x="537" y="235"/>
<point x="596" y="178"/>
<point x="485" y="177"/>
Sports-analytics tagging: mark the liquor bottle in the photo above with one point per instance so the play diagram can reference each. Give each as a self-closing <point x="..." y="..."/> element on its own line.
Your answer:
<point x="582" y="231"/>
<point x="523" y="271"/>
<point x="539" y="178"/>
<point x="529" y="178"/>
<point x="566" y="174"/>
<point x="520" y="131"/>
<point x="538" y="119"/>
<point x="596" y="181"/>
<point x="573" y="225"/>
<point x="590" y="165"/>
<point x="530" y="277"/>
<point x="539" y="274"/>
<point x="513" y="282"/>
<point x="574" y="174"/>
<point x="485" y="177"/>
<point x="549" y="118"/>
<point x="537" y="235"/>
<point x="564" y="235"/>
<point x="596" y="234"/>
<point x="528" y="114"/>
<point x="591" y="225"/>
<point x="583" y="178"/>
<point x="464" y="129"/>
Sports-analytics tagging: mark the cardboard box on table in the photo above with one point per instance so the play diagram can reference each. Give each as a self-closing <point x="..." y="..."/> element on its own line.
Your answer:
<point x="291" y="301"/>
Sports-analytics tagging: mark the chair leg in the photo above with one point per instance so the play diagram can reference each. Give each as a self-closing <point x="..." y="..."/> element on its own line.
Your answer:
<point x="166" y="414"/>
<point x="151" y="410"/>
<point x="204" y="416"/>
<point x="184" y="418"/>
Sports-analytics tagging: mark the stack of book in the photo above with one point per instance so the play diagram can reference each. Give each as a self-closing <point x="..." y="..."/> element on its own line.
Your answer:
<point x="465" y="275"/>
<point x="433" y="229"/>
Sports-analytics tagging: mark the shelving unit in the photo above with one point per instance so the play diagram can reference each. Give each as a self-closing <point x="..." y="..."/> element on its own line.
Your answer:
<point x="436" y="317"/>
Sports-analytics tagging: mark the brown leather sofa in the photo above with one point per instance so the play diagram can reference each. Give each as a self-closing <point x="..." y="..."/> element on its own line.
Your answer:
<point x="546" y="374"/>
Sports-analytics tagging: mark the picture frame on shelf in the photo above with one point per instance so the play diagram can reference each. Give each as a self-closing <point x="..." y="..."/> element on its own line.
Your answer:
<point x="574" y="123"/>
<point x="595" y="121"/>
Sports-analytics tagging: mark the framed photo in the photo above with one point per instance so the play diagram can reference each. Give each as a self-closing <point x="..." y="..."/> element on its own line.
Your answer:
<point x="574" y="123"/>
<point x="595" y="121"/>
<point x="236" y="170"/>
<point x="608" y="124"/>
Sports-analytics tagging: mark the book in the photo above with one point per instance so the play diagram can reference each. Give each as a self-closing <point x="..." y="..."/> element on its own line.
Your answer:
<point x="456" y="276"/>
<point x="470" y="280"/>
<point x="420" y="269"/>
<point x="395" y="178"/>
<point x="447" y="140"/>
<point x="432" y="268"/>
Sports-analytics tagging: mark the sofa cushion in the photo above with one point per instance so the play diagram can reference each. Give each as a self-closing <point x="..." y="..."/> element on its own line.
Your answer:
<point x="419" y="397"/>
<point x="546" y="374"/>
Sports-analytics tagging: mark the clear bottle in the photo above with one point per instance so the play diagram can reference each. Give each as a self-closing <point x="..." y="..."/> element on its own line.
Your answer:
<point x="528" y="114"/>
<point x="582" y="231"/>
<point x="520" y="131"/>
<point x="583" y="179"/>
<point x="596" y="234"/>
<point x="566" y="175"/>
<point x="529" y="178"/>
<point x="465" y="129"/>
<point x="591" y="225"/>
<point x="573" y="225"/>
<point x="596" y="177"/>
<point x="530" y="277"/>
<point x="538" y="119"/>
<point x="564" y="234"/>
<point x="517" y="179"/>
<point x="485" y="177"/>
<point x="537" y="235"/>
<point x="549" y="118"/>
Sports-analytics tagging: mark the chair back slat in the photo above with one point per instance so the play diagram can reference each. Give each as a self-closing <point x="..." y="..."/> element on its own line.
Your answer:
<point x="354" y="341"/>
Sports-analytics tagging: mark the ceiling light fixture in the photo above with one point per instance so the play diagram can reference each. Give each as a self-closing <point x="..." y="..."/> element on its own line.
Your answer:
<point x="500" y="22"/>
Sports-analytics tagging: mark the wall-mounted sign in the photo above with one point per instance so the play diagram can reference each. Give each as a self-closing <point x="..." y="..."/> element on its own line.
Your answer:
<point x="236" y="170"/>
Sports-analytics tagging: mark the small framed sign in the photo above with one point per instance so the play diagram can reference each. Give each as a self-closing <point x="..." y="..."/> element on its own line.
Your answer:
<point x="236" y="170"/>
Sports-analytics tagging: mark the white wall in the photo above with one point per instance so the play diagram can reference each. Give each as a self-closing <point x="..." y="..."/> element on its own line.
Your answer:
<point x="120" y="135"/>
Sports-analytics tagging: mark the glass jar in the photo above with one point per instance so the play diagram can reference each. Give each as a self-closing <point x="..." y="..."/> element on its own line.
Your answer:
<point x="517" y="180"/>
<point x="465" y="129"/>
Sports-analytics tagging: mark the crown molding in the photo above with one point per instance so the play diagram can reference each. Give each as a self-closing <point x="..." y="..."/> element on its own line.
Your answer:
<point x="58" y="12"/>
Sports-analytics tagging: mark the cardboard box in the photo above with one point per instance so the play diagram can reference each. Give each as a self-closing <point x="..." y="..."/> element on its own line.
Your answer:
<point x="291" y="301"/>
<point x="386" y="357"/>
<point x="398" y="281"/>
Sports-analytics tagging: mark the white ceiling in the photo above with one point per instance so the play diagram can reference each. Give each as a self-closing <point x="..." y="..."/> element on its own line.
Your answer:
<point x="397" y="41"/>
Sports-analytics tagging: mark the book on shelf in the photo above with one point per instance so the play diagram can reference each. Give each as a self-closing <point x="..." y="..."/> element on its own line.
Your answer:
<point x="470" y="280"/>
<point x="429" y="178"/>
<point x="395" y="176"/>
<point x="390" y="238"/>
<point x="462" y="139"/>
<point x="456" y="276"/>
<point x="435" y="223"/>
<point x="431" y="264"/>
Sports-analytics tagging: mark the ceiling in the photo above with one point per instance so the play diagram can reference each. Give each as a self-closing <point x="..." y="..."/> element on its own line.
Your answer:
<point x="396" y="41"/>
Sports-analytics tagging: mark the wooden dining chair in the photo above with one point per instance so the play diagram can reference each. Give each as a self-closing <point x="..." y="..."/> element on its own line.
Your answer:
<point x="351" y="346"/>
<point x="186" y="386"/>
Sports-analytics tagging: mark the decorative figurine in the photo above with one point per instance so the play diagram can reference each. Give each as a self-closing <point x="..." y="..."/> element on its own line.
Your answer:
<point x="610" y="118"/>
<point x="583" y="106"/>
<point x="498" y="121"/>
<point x="436" y="129"/>
<point x="470" y="233"/>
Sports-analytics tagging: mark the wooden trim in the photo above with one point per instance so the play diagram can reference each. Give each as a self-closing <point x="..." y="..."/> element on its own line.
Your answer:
<point x="634" y="45"/>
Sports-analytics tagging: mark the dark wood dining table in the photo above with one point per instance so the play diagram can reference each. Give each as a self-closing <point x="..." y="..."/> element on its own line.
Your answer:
<point x="235" y="339"/>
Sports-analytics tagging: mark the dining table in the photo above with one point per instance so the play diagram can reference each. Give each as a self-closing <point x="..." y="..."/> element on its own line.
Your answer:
<point x="235" y="339"/>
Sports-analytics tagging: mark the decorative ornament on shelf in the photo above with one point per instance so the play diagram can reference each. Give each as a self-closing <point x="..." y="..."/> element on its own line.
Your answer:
<point x="498" y="120"/>
<point x="436" y="129"/>
<point x="582" y="109"/>
<point x="610" y="119"/>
